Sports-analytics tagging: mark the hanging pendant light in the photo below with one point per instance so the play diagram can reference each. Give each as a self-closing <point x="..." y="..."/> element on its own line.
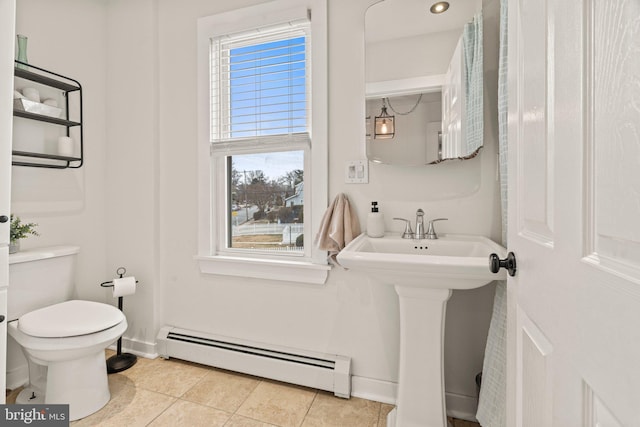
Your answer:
<point x="384" y="123"/>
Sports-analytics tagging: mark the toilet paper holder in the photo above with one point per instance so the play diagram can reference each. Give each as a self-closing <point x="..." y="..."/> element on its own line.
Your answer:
<point x="119" y="361"/>
<point x="121" y="271"/>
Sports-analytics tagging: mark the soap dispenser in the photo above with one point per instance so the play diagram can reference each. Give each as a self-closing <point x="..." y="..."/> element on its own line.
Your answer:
<point x="375" y="222"/>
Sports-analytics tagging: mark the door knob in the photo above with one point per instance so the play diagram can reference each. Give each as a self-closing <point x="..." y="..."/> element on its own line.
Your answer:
<point x="4" y="218"/>
<point x="495" y="263"/>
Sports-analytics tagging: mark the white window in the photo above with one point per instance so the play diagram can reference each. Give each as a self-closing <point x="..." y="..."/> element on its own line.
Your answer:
<point x="259" y="107"/>
<point x="263" y="172"/>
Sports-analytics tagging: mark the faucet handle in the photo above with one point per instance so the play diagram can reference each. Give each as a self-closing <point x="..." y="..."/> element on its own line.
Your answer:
<point x="408" y="232"/>
<point x="431" y="232"/>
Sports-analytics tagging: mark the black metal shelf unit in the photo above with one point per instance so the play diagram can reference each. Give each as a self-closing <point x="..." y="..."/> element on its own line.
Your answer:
<point x="66" y="85"/>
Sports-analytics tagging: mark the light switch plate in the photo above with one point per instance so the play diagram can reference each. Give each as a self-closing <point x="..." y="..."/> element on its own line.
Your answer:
<point x="356" y="172"/>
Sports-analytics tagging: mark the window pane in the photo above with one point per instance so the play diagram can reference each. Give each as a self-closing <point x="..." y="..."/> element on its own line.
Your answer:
<point x="266" y="202"/>
<point x="267" y="88"/>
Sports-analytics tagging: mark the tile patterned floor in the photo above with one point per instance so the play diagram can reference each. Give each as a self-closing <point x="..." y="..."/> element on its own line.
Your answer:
<point x="172" y="393"/>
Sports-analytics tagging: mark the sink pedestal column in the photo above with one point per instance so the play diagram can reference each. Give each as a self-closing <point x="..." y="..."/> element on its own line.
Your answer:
<point x="421" y="401"/>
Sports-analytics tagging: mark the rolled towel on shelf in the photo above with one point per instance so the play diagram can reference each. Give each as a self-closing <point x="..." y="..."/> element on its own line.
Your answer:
<point x="31" y="94"/>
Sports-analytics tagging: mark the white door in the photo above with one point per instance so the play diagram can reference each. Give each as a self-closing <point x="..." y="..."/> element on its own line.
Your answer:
<point x="574" y="213"/>
<point x="7" y="26"/>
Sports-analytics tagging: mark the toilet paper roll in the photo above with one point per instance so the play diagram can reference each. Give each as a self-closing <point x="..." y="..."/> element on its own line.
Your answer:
<point x="124" y="286"/>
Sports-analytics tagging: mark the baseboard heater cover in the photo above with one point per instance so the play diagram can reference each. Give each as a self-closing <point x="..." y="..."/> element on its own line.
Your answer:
<point x="316" y="370"/>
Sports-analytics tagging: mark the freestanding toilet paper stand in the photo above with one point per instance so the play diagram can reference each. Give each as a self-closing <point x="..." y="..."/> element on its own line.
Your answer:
<point x="120" y="361"/>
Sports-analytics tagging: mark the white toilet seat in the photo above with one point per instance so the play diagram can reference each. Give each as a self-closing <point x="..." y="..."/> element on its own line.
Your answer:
<point x="68" y="345"/>
<point x="69" y="319"/>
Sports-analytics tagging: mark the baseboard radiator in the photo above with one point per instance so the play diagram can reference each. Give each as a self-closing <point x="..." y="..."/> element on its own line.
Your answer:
<point x="316" y="370"/>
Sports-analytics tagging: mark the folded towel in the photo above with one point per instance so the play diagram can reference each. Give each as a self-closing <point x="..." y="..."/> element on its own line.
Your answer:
<point x="339" y="226"/>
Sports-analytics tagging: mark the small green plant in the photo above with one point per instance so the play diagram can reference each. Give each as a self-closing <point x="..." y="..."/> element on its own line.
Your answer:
<point x="18" y="230"/>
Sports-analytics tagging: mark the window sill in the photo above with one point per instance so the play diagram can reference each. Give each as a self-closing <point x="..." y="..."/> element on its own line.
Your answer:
<point x="289" y="271"/>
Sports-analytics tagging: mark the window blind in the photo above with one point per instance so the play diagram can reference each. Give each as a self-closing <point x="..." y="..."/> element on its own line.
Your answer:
<point x="260" y="86"/>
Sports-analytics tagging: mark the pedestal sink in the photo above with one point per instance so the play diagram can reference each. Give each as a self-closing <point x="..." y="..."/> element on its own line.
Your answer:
<point x="423" y="273"/>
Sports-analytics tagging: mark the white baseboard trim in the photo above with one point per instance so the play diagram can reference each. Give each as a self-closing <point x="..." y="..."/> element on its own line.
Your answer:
<point x="139" y="348"/>
<point x="461" y="407"/>
<point x="372" y="389"/>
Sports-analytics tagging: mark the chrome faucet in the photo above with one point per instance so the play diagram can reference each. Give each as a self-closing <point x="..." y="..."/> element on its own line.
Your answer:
<point x="420" y="233"/>
<point x="419" y="224"/>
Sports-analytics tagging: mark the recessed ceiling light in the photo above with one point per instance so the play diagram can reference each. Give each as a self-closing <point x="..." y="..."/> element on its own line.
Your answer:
<point x="439" y="7"/>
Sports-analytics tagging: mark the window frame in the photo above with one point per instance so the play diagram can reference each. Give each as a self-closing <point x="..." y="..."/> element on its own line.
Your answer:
<point x="213" y="256"/>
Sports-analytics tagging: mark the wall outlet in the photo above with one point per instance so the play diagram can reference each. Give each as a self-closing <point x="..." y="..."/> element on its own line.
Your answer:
<point x="356" y="172"/>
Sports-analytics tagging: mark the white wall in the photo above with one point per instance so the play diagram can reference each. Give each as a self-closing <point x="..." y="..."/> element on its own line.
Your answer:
<point x="69" y="37"/>
<point x="138" y="208"/>
<point x="132" y="191"/>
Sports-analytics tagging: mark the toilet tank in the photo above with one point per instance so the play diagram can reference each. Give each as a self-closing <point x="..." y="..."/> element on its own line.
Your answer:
<point x="39" y="278"/>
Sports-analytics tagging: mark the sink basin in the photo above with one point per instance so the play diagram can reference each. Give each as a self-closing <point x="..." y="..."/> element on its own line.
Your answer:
<point x="423" y="274"/>
<point x="455" y="261"/>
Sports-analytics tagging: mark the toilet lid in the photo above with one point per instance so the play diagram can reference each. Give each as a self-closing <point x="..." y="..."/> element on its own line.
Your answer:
<point x="70" y="319"/>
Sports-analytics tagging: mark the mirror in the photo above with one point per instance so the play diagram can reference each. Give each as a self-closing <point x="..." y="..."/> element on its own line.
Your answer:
<point x="424" y="74"/>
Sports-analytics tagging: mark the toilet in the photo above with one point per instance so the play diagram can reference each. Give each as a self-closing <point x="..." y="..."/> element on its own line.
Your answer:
<point x="55" y="344"/>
